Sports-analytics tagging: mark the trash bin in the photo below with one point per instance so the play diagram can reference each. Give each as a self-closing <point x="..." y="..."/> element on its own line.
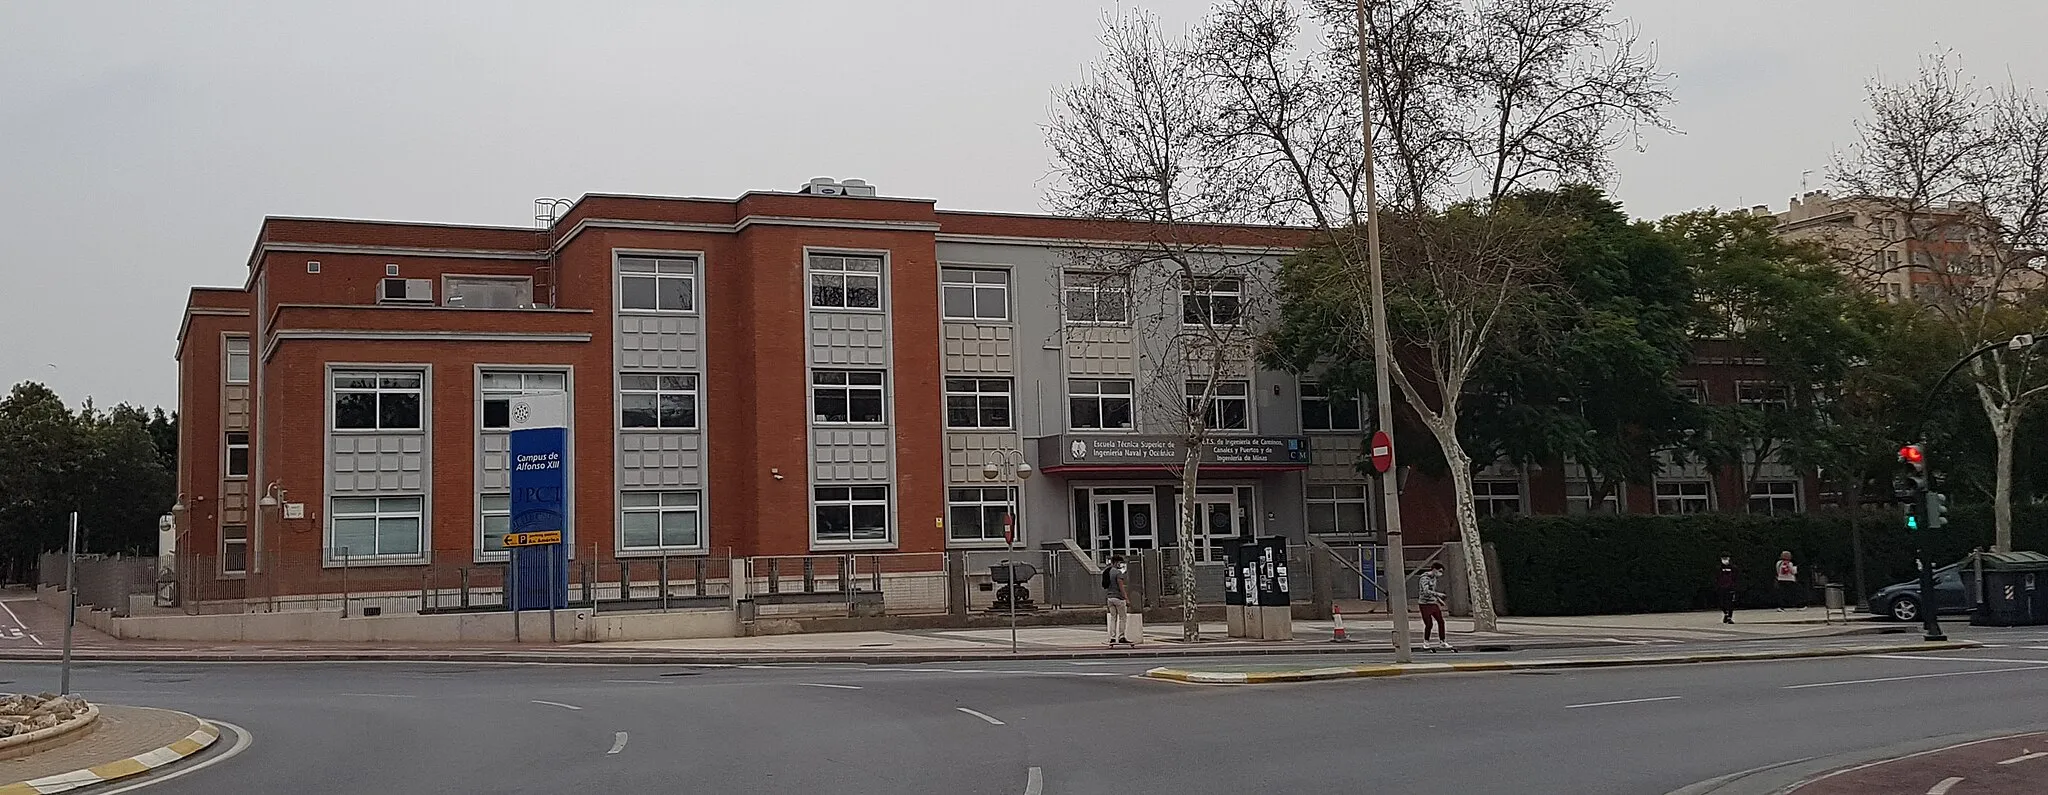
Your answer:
<point x="2014" y="592"/>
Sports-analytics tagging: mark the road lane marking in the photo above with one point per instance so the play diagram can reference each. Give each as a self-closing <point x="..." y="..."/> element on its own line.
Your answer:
<point x="2008" y="660"/>
<point x="982" y="715"/>
<point x="242" y="740"/>
<point x="618" y="743"/>
<point x="17" y="622"/>
<point x="2024" y="757"/>
<point x="834" y="687"/>
<point x="372" y="695"/>
<point x="2035" y="667"/>
<point x="633" y="682"/>
<point x="557" y="704"/>
<point x="1034" y="781"/>
<point x="1943" y="786"/>
<point x="1625" y="701"/>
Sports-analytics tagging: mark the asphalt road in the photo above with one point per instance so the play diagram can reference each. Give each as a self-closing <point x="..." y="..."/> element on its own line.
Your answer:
<point x="1055" y="727"/>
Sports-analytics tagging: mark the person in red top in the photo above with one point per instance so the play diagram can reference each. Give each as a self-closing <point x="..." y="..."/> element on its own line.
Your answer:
<point x="1788" y="582"/>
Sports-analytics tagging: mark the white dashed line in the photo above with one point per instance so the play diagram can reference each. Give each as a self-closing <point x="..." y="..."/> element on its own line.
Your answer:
<point x="633" y="682"/>
<point x="1626" y="701"/>
<point x="2024" y="757"/>
<point x="558" y="704"/>
<point x="822" y="684"/>
<point x="1943" y="786"/>
<point x="618" y="743"/>
<point x="1034" y="782"/>
<point x="982" y="715"/>
<point x="373" y="695"/>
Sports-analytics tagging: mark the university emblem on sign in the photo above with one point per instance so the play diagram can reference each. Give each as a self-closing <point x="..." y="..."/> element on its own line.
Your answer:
<point x="521" y="412"/>
<point x="1080" y="449"/>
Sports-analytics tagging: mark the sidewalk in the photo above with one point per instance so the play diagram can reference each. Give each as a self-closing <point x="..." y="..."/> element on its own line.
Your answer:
<point x="124" y="741"/>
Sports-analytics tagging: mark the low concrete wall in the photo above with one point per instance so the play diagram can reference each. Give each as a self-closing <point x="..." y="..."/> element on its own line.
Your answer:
<point x="570" y="626"/>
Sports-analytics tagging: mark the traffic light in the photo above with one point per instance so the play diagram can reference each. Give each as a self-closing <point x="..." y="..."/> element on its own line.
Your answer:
<point x="1918" y="497"/>
<point x="1937" y="510"/>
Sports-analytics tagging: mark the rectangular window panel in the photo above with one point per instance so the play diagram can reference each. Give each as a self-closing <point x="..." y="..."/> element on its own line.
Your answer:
<point x="851" y="514"/>
<point x="843" y="281"/>
<point x="476" y="292"/>
<point x="1099" y="298"/>
<point x="847" y="397"/>
<point x="238" y="360"/>
<point x="1212" y="302"/>
<point x="386" y="401"/>
<point x="494" y="515"/>
<point x="978" y="403"/>
<point x="238" y="455"/>
<point x="499" y="388"/>
<point x="234" y="549"/>
<point x="1229" y="407"/>
<point x="376" y="527"/>
<point x="658" y="401"/>
<point x="975" y="293"/>
<point x="1342" y="508"/>
<point x="976" y="514"/>
<point x="1497" y="497"/>
<point x="1684" y="496"/>
<point x="1099" y="404"/>
<point x="1323" y="411"/>
<point x="660" y="520"/>
<point x="1774" y="497"/>
<point x="658" y="284"/>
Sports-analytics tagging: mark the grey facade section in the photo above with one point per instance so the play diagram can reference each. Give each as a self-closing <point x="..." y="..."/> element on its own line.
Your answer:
<point x="667" y="342"/>
<point x="377" y="463"/>
<point x="849" y="339"/>
<point x="494" y="458"/>
<point x="977" y="348"/>
<point x="851" y="455"/>
<point x="649" y="460"/>
<point x="854" y="341"/>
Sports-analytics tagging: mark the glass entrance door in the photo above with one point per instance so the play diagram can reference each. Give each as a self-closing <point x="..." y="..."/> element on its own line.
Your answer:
<point x="1220" y="516"/>
<point x="1122" y="521"/>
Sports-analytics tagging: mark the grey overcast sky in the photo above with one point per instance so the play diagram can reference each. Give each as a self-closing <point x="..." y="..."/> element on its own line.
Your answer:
<point x="141" y="142"/>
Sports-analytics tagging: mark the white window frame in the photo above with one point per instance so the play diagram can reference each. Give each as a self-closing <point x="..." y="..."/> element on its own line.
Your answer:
<point x="847" y="389"/>
<point x="1093" y="285"/>
<point x="1129" y="396"/>
<point x="830" y="265"/>
<point x="379" y="513"/>
<point x="452" y="284"/>
<point x="1224" y="387"/>
<point x="665" y="504"/>
<point x="685" y="387"/>
<point x="1331" y="498"/>
<point x="1487" y="497"/>
<point x="228" y="542"/>
<point x="488" y="507"/>
<point x="1763" y="395"/>
<point x="1315" y="393"/>
<point x="418" y="392"/>
<point x="975" y="390"/>
<point x="228" y="460"/>
<point x="1681" y="500"/>
<point x="1198" y="297"/>
<point x="229" y="355"/>
<point x="1773" y="491"/>
<point x="989" y="504"/>
<point x="659" y="268"/>
<point x="1581" y="504"/>
<point x="956" y="279"/>
<point x="527" y="386"/>
<point x="856" y="496"/>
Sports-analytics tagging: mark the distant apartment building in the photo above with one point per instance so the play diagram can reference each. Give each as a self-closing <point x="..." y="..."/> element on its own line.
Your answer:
<point x="781" y="374"/>
<point x="1908" y="252"/>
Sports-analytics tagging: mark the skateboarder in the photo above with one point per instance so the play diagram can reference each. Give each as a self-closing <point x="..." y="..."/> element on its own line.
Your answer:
<point x="1430" y="595"/>
<point x="1119" y="599"/>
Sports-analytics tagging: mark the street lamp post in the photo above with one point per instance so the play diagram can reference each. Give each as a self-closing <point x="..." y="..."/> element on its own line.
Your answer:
<point x="1009" y="464"/>
<point x="1390" y="488"/>
<point x="272" y="501"/>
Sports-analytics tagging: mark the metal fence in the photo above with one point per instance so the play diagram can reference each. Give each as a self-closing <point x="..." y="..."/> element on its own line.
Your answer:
<point x="108" y="582"/>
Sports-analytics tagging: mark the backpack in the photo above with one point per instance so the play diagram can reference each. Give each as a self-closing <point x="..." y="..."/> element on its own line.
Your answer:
<point x="1107" y="571"/>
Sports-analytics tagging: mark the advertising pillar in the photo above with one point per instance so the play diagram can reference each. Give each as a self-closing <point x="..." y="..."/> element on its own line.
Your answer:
<point x="540" y="459"/>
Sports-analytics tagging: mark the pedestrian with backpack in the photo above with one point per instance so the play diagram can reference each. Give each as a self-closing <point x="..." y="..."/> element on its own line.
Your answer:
<point x="1429" y="594"/>
<point x="1119" y="599"/>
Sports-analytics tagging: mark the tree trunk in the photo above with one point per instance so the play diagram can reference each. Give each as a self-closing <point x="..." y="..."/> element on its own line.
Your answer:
<point x="1483" y="619"/>
<point x="1190" y="623"/>
<point x="2001" y="504"/>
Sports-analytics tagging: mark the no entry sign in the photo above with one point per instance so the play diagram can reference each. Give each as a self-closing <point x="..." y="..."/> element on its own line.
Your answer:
<point x="1382" y="452"/>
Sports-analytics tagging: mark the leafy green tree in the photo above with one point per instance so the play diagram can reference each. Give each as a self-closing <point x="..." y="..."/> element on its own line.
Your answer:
<point x="106" y="465"/>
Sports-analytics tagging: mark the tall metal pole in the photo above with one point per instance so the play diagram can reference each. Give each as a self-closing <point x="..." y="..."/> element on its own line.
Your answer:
<point x="1390" y="487"/>
<point x="71" y="602"/>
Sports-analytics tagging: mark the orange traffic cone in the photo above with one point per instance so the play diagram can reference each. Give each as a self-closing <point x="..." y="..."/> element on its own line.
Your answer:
<point x="1337" y="631"/>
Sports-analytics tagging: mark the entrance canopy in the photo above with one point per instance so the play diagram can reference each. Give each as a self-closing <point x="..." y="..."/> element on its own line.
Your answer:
<point x="1136" y="454"/>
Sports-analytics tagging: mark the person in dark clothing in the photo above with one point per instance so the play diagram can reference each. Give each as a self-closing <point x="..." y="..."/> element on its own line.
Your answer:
<point x="1724" y="587"/>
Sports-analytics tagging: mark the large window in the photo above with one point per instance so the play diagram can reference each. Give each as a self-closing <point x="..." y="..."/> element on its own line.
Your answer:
<point x="487" y="292"/>
<point x="500" y="388"/>
<point x="1229" y="408"/>
<point x="658" y="401"/>
<point x="1340" y="508"/>
<point x="1095" y="297"/>
<point x="1762" y="395"/>
<point x="494" y="518"/>
<point x="977" y="403"/>
<point x="1496" y="497"/>
<point x="1774" y="496"/>
<point x="234" y="549"/>
<point x="238" y="454"/>
<point x="1212" y="302"/>
<point x="847" y="397"/>
<point x="376" y="527"/>
<point x="1578" y="498"/>
<point x="852" y="514"/>
<point x="238" y="360"/>
<point x="840" y="281"/>
<point x="975" y="293"/>
<point x="658" y="284"/>
<point x="976" y="514"/>
<point x="1322" y="411"/>
<point x="1098" y="404"/>
<point x="652" y="521"/>
<point x="377" y="401"/>
<point x="1684" y="496"/>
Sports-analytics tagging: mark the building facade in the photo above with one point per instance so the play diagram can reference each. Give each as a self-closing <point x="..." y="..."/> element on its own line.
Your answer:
<point x="781" y="374"/>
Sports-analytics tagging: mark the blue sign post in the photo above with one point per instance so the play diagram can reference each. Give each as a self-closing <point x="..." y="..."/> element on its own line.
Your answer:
<point x="540" y="577"/>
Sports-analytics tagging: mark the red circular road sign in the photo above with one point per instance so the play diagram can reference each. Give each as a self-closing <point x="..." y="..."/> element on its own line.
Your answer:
<point x="1382" y="452"/>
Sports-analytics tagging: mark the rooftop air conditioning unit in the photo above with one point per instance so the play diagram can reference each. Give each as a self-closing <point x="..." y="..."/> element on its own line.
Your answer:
<point x="822" y="186"/>
<point x="407" y="291"/>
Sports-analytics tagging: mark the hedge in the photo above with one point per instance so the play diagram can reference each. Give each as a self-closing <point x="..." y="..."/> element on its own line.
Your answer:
<point x="1590" y="565"/>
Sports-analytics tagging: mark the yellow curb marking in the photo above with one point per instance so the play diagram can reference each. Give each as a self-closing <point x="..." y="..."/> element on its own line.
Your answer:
<point x="140" y="763"/>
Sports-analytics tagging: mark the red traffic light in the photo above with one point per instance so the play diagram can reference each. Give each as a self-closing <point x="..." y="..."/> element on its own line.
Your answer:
<point x="1910" y="454"/>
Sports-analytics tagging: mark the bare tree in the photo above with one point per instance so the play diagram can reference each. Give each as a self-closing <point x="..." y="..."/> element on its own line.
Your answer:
<point x="1951" y="177"/>
<point x="1256" y="115"/>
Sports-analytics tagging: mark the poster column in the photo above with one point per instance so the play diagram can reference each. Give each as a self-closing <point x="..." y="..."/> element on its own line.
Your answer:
<point x="539" y="458"/>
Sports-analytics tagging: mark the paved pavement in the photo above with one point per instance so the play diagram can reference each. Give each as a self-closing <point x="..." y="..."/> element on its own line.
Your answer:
<point x="1060" y="727"/>
<point x="120" y="733"/>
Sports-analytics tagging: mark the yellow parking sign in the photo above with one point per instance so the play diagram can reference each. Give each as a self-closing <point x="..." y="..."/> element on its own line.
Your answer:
<point x="533" y="539"/>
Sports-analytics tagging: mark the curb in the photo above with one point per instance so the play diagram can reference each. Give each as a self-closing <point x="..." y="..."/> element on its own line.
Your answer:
<point x="112" y="771"/>
<point x="1410" y="669"/>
